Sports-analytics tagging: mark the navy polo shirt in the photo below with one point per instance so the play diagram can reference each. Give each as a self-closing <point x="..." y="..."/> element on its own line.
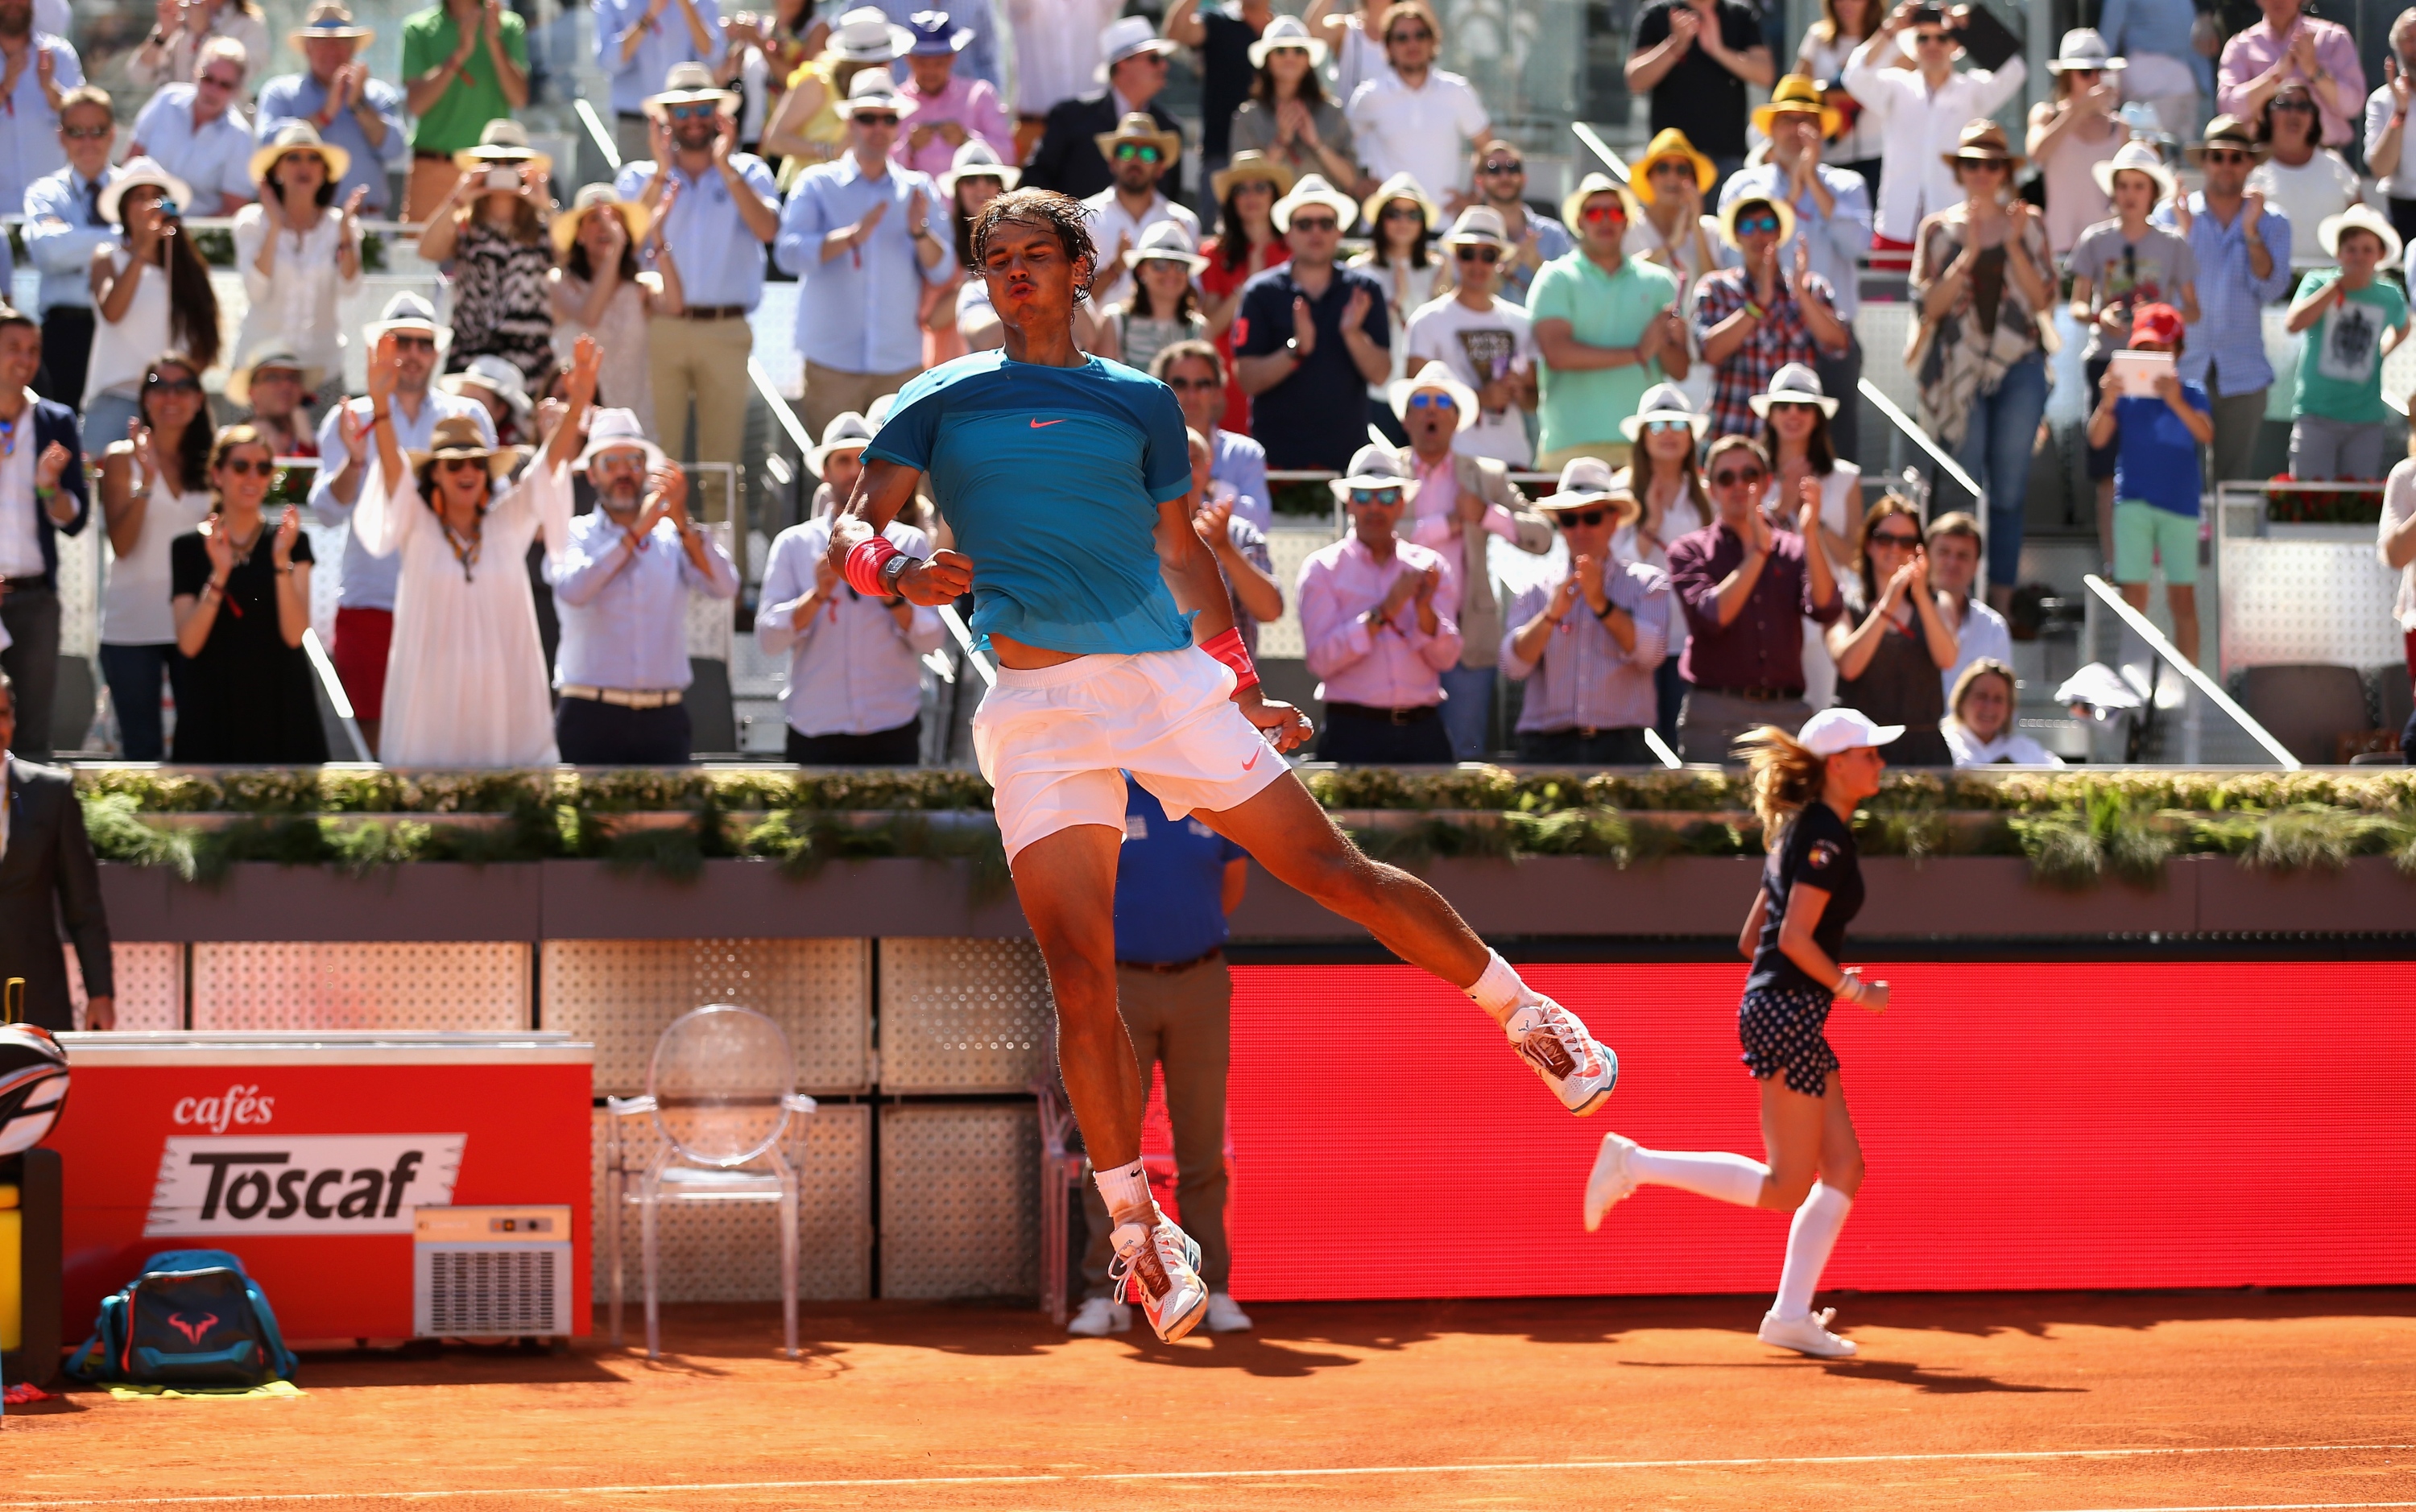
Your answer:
<point x="1317" y="417"/>
<point x="1169" y="884"/>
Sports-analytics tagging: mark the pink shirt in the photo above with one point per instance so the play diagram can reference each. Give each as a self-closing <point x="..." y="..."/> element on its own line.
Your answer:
<point x="1397" y="665"/>
<point x="1436" y="508"/>
<point x="971" y="103"/>
<point x="2252" y="52"/>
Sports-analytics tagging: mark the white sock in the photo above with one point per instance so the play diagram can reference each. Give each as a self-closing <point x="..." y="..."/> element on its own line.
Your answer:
<point x="1499" y="990"/>
<point x="1126" y="1191"/>
<point x="1723" y="1178"/>
<point x="1809" y="1239"/>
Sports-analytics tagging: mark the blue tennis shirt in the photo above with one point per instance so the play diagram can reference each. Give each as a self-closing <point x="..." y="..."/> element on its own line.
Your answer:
<point x="1051" y="478"/>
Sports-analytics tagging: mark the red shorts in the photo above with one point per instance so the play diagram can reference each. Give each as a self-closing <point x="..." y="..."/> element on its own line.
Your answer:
<point x="362" y="639"/>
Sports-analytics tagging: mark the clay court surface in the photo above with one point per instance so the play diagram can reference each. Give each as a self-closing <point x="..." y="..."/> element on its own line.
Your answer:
<point x="2033" y="1402"/>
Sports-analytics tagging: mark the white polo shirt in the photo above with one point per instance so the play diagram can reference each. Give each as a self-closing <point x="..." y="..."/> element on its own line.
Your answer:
<point x="1422" y="132"/>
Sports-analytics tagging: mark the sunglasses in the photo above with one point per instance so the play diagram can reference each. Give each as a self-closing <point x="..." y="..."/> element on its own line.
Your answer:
<point x="1379" y="498"/>
<point x="1316" y="223"/>
<point x="1983" y="165"/>
<point x="1730" y="477"/>
<point x="1601" y="213"/>
<point x="1485" y="255"/>
<point x="1932" y="39"/>
<point x="1131" y="152"/>
<point x="85" y="133"/>
<point x="1670" y="166"/>
<point x="1429" y="399"/>
<point x="1193" y="386"/>
<point x="1663" y="428"/>
<point x="413" y="343"/>
<point x="1575" y="517"/>
<point x="159" y="384"/>
<point x="1900" y="540"/>
<point x="461" y="464"/>
<point x="1793" y="405"/>
<point x="1403" y="212"/>
<point x="2224" y="155"/>
<point x="243" y="467"/>
<point x="2300" y="105"/>
<point x="883" y="118"/>
<point x="2082" y="73"/>
<point x="1499" y="169"/>
<point x="1756" y="225"/>
<point x="1420" y="35"/>
<point x="690" y="112"/>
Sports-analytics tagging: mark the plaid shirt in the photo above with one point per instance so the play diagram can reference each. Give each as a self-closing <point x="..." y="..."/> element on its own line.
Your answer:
<point x="1780" y="338"/>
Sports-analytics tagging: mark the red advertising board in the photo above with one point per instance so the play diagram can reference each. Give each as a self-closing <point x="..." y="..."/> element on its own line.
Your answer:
<point x="2026" y="1126"/>
<point x="305" y="1157"/>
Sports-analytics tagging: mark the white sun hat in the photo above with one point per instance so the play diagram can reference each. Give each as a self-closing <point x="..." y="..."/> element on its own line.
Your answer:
<point x="1438" y="377"/>
<point x="1832" y="730"/>
<point x="1374" y="467"/>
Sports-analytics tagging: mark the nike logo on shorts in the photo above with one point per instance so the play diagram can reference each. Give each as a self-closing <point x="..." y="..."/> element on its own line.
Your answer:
<point x="1040" y="424"/>
<point x="1253" y="761"/>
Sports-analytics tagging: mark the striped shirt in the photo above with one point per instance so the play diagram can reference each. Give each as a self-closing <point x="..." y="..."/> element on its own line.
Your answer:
<point x="2230" y="331"/>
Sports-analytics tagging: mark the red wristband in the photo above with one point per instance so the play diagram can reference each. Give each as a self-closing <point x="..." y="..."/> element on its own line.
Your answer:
<point x="863" y="564"/>
<point x="1227" y="649"/>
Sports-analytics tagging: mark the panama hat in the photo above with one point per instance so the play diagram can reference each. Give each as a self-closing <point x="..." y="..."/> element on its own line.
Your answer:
<point x="566" y="224"/>
<point x="686" y="84"/>
<point x="848" y="431"/>
<point x="2231" y="132"/>
<point x="329" y="21"/>
<point x="1587" y="481"/>
<point x="1374" y="467"/>
<point x="1794" y="383"/>
<point x="1479" y="225"/>
<point x="977" y="159"/>
<point x="1251" y="167"/>
<point x="1401" y="185"/>
<point x="1287" y="31"/>
<point x="867" y="35"/>
<point x="1983" y="141"/>
<point x="504" y="142"/>
<point x="872" y="89"/>
<point x="2084" y="49"/>
<point x="1779" y="207"/>
<point x="2134" y="157"/>
<point x="135" y="175"/>
<point x="1436" y="377"/>
<point x="298" y="135"/>
<point x="1798" y="94"/>
<point x="1664" y="401"/>
<point x="1127" y="36"/>
<point x="617" y="430"/>
<point x="269" y="355"/>
<point x="1313" y="190"/>
<point x="1670" y="142"/>
<point x="1832" y="730"/>
<point x="406" y="311"/>
<point x="1140" y="126"/>
<point x="2358" y="218"/>
<point x="1591" y="184"/>
<point x="936" y="35"/>
<point x="457" y="435"/>
<point x="1167" y="242"/>
<point x="496" y="376"/>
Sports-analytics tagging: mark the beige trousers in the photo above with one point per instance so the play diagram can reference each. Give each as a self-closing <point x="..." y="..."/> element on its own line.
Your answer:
<point x="830" y="393"/>
<point x="706" y="359"/>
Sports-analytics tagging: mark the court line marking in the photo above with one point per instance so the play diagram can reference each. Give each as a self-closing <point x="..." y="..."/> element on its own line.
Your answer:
<point x="2163" y="1451"/>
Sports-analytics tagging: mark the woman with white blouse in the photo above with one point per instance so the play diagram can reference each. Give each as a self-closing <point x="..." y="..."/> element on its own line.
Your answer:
<point x="1795" y="414"/>
<point x="2308" y="182"/>
<point x="1663" y="475"/>
<point x="597" y="291"/>
<point x="155" y="486"/>
<point x="466" y="679"/>
<point x="299" y="255"/>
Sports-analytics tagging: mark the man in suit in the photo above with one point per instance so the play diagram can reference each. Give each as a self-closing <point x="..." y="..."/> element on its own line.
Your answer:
<point x="42" y="495"/>
<point x="1133" y="67"/>
<point x="1460" y="501"/>
<point x="44" y="854"/>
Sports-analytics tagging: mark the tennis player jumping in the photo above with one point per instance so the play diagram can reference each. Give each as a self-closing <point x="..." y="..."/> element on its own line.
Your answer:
<point x="1062" y="477"/>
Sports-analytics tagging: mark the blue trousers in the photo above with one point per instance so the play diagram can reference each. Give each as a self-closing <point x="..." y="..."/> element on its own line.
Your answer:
<point x="1467" y="705"/>
<point x="133" y="673"/>
<point x="1996" y="451"/>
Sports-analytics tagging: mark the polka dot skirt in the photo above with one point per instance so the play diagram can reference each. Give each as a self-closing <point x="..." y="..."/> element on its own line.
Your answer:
<point x="1780" y="1029"/>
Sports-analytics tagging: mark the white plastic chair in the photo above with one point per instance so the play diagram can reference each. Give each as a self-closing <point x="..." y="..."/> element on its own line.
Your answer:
<point x="728" y="1073"/>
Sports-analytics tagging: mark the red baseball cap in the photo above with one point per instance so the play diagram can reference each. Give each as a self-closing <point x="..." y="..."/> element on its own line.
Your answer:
<point x="2156" y="322"/>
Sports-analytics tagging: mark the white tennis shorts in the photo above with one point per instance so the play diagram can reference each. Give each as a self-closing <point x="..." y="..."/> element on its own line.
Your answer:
<point x="1055" y="742"/>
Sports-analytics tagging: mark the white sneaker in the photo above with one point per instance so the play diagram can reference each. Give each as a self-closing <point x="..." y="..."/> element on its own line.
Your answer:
<point x="1807" y="1335"/>
<point x="1098" y="1317"/>
<point x="1611" y="1180"/>
<point x="1225" y="1315"/>
<point x="1165" y="1261"/>
<point x="1571" y="1061"/>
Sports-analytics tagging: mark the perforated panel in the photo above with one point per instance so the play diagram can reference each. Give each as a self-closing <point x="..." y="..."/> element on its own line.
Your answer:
<point x="150" y="985"/>
<point x="622" y="994"/>
<point x="1288" y="547"/>
<point x="1883" y="328"/>
<point x="361" y="985"/>
<point x="79" y="579"/>
<point x="731" y="1252"/>
<point x="2307" y="601"/>
<point x="959" y="1200"/>
<point x="963" y="1015"/>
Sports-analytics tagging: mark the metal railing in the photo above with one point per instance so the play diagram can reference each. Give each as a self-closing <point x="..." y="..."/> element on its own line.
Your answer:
<point x="2167" y="685"/>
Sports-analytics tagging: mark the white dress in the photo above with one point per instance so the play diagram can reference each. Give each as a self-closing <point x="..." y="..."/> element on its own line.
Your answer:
<point x="296" y="303"/>
<point x="466" y="684"/>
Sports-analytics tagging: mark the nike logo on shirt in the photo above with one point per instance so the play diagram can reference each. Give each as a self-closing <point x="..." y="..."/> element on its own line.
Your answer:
<point x="1038" y="424"/>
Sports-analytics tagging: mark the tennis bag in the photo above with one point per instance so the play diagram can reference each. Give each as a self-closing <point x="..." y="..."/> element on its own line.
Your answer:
<point x="191" y="1319"/>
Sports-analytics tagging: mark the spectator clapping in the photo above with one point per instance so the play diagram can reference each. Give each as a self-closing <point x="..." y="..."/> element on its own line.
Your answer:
<point x="1752" y="320"/>
<point x="171" y="52"/>
<point x="1695" y="59"/>
<point x="46" y="497"/>
<point x="155" y="486"/>
<point x="1311" y="337"/>
<point x="2072" y="132"/>
<point x="942" y="106"/>
<point x="464" y="67"/>
<point x="1607" y="328"/>
<point x="1288" y="117"/>
<point x="600" y="289"/>
<point x="191" y="131"/>
<point x="1416" y="118"/>
<point x="1378" y="617"/>
<point x="298" y="254"/>
<point x="1588" y="647"/>
<point x="2290" y="46"/>
<point x="2306" y="180"/>
<point x="1888" y="665"/>
<point x="352" y="112"/>
<point x="37" y="70"/>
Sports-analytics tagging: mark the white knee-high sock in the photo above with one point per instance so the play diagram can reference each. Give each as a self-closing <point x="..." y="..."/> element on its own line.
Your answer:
<point x="1809" y="1239"/>
<point x="1723" y="1178"/>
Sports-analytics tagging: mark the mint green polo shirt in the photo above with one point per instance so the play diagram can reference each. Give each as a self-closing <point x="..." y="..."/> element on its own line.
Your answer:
<point x="470" y="101"/>
<point x="1603" y="309"/>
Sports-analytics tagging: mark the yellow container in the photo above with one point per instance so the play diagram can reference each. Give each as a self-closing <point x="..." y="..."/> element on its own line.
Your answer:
<point x="12" y="1271"/>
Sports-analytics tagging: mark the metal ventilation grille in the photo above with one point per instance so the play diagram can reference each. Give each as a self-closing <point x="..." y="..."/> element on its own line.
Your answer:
<point x="511" y="1288"/>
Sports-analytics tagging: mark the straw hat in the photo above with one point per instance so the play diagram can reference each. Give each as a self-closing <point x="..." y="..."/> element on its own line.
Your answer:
<point x="1479" y="225"/>
<point x="298" y="135"/>
<point x="457" y="435"/>
<point x="271" y="353"/>
<point x="1983" y="141"/>
<point x="867" y="35"/>
<point x="1142" y="128"/>
<point x="1433" y="378"/>
<point x="1126" y="36"/>
<point x="1799" y="94"/>
<point x="565" y="223"/>
<point x="1313" y="190"/>
<point x="2084" y="49"/>
<point x="2226" y="131"/>
<point x="1401" y="185"/>
<point x="1251" y="167"/>
<point x="2359" y="218"/>
<point x="1375" y="466"/>
<point x="504" y="142"/>
<point x="406" y="311"/>
<point x="1588" y="481"/>
<point x="1794" y="383"/>
<point x="1590" y="185"/>
<point x="134" y="176"/>
<point x="328" y="19"/>
<point x="1670" y="142"/>
<point x="2134" y="157"/>
<point x="936" y="35"/>
<point x="1779" y="207"/>
<point x="848" y="431"/>
<point x="617" y="430"/>
<point x="977" y="159"/>
<point x="687" y="84"/>
<point x="1664" y="401"/>
<point x="1167" y="242"/>
<point x="1287" y="31"/>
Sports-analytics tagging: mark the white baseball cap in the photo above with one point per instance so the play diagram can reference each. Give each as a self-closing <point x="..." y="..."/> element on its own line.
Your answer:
<point x="1832" y="730"/>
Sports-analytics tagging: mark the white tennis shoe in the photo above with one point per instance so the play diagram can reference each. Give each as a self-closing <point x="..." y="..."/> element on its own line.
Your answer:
<point x="1164" y="1262"/>
<point x="1611" y="1180"/>
<point x="1098" y="1317"/>
<point x="1578" y="1067"/>
<point x="1225" y="1315"/>
<point x="1807" y="1335"/>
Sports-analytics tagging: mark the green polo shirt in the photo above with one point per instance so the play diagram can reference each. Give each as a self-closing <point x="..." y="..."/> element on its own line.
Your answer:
<point x="470" y="101"/>
<point x="1603" y="309"/>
